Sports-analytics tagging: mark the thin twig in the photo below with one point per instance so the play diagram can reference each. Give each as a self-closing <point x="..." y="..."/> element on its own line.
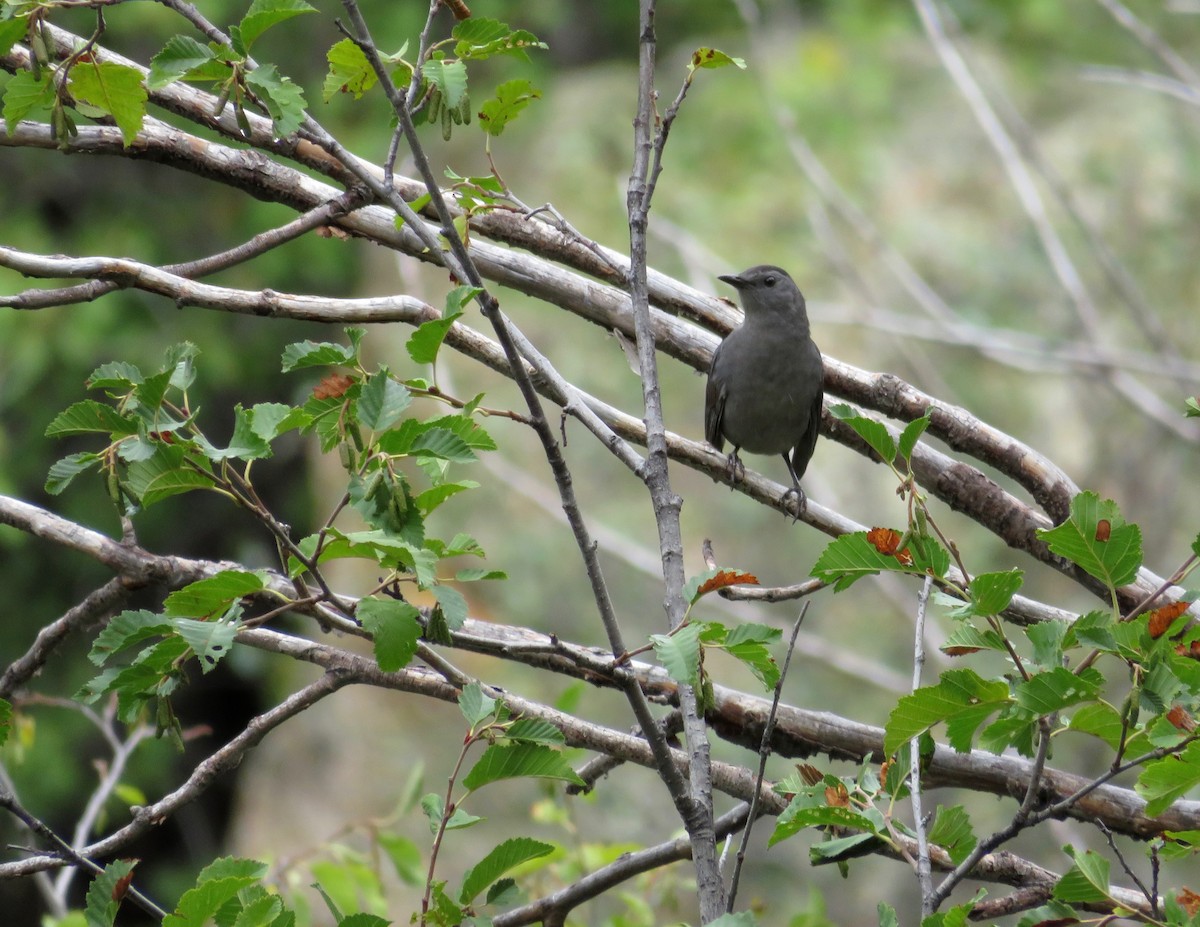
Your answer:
<point x="924" y="868"/>
<point x="764" y="751"/>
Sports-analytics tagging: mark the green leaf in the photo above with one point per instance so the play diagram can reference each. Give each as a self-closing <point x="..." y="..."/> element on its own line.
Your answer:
<point x="443" y="444"/>
<point x="65" y="469"/>
<point x="25" y="94"/>
<point x="102" y="903"/>
<point x="679" y="653"/>
<point x="887" y="915"/>
<point x="395" y="628"/>
<point x="114" y="88"/>
<point x="1165" y="780"/>
<point x="842" y="849"/>
<point x="283" y="98"/>
<point x="181" y="55"/>
<point x="349" y="71"/>
<point x="12" y="31"/>
<point x="90" y="416"/>
<point x="424" y="343"/>
<point x="480" y="37"/>
<point x="511" y="97"/>
<point x="1191" y="407"/>
<point x="912" y="433"/>
<point x="117" y="377"/>
<point x="512" y="852"/>
<point x="1086" y="881"/>
<point x="851" y="557"/>
<point x="535" y="731"/>
<point x="452" y="604"/>
<point x="1099" y="720"/>
<point x="952" y="830"/>
<point x="431" y="498"/>
<point x="990" y="594"/>
<point x="960" y="693"/>
<point x="1047" y="638"/>
<point x="748" y="643"/>
<point x="211" y="641"/>
<point x="126" y="629"/>
<point x="450" y="77"/>
<point x="874" y="433"/>
<point x="245" y="443"/>
<point x="1057" y="688"/>
<point x="263" y="14"/>
<point x="474" y="574"/>
<point x="712" y="58"/>
<point x="381" y="402"/>
<point x="797" y="817"/>
<point x="1097" y="538"/>
<point x="217" y="883"/>
<point x="967" y="638"/>
<point x="164" y="475"/>
<point x="317" y="354"/>
<point x="268" y="420"/>
<point x="510" y="761"/>
<point x="474" y="704"/>
<point x="213" y="595"/>
<point x="5" y="720"/>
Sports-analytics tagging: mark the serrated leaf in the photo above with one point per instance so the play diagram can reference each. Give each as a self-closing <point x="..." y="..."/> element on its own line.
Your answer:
<point x="381" y="402"/>
<point x="181" y="55"/>
<point x="25" y="94"/>
<point x="396" y="630"/>
<point x="450" y="77"/>
<point x="1097" y="538"/>
<point x="679" y="653"/>
<point x="535" y="731"/>
<point x="510" y="761"/>
<point x="1057" y="688"/>
<point x="431" y="498"/>
<point x="12" y="31"/>
<point x="1047" y="638"/>
<point x="443" y="444"/>
<point x="268" y="420"/>
<point x="990" y="594"/>
<point x="217" y="883"/>
<point x="842" y="848"/>
<point x="952" y="829"/>
<point x="511" y="97"/>
<point x="452" y="604"/>
<point x="125" y="630"/>
<point x="474" y="704"/>
<point x="1099" y="720"/>
<point x="89" y="416"/>
<point x="473" y="574"/>
<point x="116" y="376"/>
<point x="874" y="433"/>
<point x="960" y="692"/>
<point x="912" y="433"/>
<point x="245" y="443"/>
<point x="212" y="595"/>
<point x="512" y="852"/>
<point x="1086" y="881"/>
<point x="713" y="58"/>
<point x="65" y="469"/>
<point x="480" y="37"/>
<point x="162" y="476"/>
<point x="105" y="892"/>
<point x="424" y="343"/>
<point x="115" y="89"/>
<point x="263" y="14"/>
<point x="851" y="557"/>
<point x="1163" y="781"/>
<point x="967" y="638"/>
<point x="211" y="641"/>
<point x="283" y="98"/>
<point x="796" y="818"/>
<point x="349" y="71"/>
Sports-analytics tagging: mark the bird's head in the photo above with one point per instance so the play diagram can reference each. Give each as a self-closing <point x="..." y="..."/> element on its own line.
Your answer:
<point x="766" y="288"/>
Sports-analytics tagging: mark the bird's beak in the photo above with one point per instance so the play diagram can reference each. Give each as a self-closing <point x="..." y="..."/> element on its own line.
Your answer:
<point x="733" y="280"/>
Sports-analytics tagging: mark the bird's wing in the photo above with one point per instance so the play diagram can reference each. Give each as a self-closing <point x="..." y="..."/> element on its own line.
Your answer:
<point x="803" y="451"/>
<point x="714" y="406"/>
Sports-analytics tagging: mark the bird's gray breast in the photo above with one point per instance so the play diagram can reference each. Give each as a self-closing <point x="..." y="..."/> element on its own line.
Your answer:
<point x="769" y="377"/>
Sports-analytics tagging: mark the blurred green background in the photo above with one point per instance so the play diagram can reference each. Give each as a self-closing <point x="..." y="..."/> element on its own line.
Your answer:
<point x="854" y="85"/>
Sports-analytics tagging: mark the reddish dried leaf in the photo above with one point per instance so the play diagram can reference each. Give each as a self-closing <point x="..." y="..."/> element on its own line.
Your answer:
<point x="727" y="578"/>
<point x="1103" y="529"/>
<point x="1058" y="922"/>
<point x="460" y="10"/>
<point x="122" y="886"/>
<point x="809" y="773"/>
<point x="1179" y="716"/>
<point x="883" y="770"/>
<point x="164" y="436"/>
<point x="884" y="540"/>
<point x="837" y="796"/>
<point x="1161" y="618"/>
<point x="960" y="650"/>
<point x="1189" y="901"/>
<point x="333" y="385"/>
<point x="1189" y="650"/>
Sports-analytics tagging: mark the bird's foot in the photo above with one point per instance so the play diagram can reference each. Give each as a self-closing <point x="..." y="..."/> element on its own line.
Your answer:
<point x="801" y="503"/>
<point x="737" y="469"/>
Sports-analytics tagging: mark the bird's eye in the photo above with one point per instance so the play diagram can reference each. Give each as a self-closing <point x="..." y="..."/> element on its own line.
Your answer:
<point x="770" y="281"/>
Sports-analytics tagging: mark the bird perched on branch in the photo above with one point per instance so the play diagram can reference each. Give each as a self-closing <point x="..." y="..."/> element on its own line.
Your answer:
<point x="765" y="383"/>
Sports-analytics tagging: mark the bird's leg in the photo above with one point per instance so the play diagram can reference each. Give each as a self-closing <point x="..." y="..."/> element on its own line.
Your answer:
<point x="737" y="469"/>
<point x="794" y="490"/>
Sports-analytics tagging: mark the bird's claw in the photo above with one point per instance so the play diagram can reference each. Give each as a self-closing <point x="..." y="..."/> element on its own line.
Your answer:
<point x="737" y="469"/>
<point x="801" y="502"/>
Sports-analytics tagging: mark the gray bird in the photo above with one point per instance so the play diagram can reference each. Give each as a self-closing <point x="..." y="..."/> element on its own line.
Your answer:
<point x="765" y="383"/>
